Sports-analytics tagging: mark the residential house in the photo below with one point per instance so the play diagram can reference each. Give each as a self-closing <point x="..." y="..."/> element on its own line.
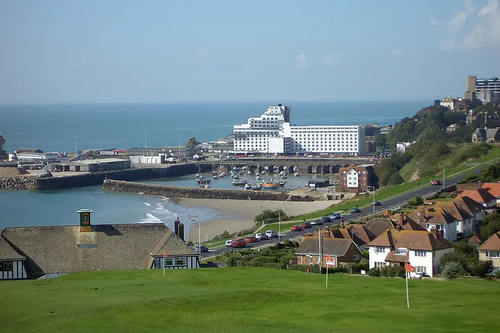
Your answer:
<point x="422" y="249"/>
<point x="490" y="250"/>
<point x="452" y="128"/>
<point x="37" y="251"/>
<point x="477" y="239"/>
<point x="436" y="218"/>
<point x="357" y="232"/>
<point x="473" y="208"/>
<point x="403" y="147"/>
<point x="486" y="135"/>
<point x="481" y="196"/>
<point x="465" y="220"/>
<point x="314" y="250"/>
<point x="396" y="221"/>
<point x="358" y="178"/>
<point x="378" y="225"/>
<point x="493" y="189"/>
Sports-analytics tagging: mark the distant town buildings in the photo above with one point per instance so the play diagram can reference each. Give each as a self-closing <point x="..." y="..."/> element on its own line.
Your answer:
<point x="272" y="133"/>
<point x="453" y="104"/>
<point x="485" y="90"/>
<point x="486" y="135"/>
<point x="403" y="147"/>
<point x="358" y="178"/>
<point x="3" y="153"/>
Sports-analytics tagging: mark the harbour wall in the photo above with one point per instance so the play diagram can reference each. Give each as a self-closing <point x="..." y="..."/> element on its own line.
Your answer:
<point x="17" y="183"/>
<point x="198" y="193"/>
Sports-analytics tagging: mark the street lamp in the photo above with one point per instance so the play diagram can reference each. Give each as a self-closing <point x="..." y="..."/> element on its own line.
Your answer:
<point x="75" y="144"/>
<point x="179" y="145"/>
<point x="373" y="199"/>
<point x="146" y="136"/>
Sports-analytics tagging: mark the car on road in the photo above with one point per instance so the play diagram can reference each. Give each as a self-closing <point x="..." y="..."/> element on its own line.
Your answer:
<point x="436" y="182"/>
<point x="376" y="203"/>
<point x="355" y="210"/>
<point x="201" y="249"/>
<point x="251" y="239"/>
<point x="296" y="228"/>
<point x="305" y="225"/>
<point x="316" y="222"/>
<point x="326" y="219"/>
<point x="335" y="216"/>
<point x="271" y="233"/>
<point x="261" y="236"/>
<point x="238" y="242"/>
<point x="228" y="243"/>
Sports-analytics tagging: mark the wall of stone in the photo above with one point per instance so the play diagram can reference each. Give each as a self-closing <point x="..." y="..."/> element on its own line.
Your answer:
<point x="17" y="183"/>
<point x="198" y="193"/>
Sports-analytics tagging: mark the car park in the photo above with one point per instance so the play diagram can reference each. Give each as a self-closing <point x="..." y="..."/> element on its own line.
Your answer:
<point x="238" y="242"/>
<point x="355" y="210"/>
<point x="271" y="233"/>
<point x="316" y="222"/>
<point x="335" y="216"/>
<point x="261" y="236"/>
<point x="296" y="228"/>
<point x="305" y="225"/>
<point x="251" y="239"/>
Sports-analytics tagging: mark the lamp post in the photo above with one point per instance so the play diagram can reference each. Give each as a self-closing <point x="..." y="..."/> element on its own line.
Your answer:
<point x="75" y="144"/>
<point x="146" y="136"/>
<point x="373" y="198"/>
<point x="179" y="145"/>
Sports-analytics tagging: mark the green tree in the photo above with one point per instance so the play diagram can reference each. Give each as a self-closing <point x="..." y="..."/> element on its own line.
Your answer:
<point x="490" y="224"/>
<point x="482" y="268"/>
<point x="395" y="179"/>
<point x="452" y="270"/>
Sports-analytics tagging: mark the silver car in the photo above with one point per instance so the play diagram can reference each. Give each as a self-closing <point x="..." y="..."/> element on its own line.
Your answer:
<point x="261" y="236"/>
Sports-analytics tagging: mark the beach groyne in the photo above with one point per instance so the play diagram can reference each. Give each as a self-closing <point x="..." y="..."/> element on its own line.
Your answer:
<point x="198" y="193"/>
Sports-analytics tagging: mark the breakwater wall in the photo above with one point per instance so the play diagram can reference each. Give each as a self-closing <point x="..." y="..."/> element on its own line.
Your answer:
<point x="97" y="178"/>
<point x="198" y="193"/>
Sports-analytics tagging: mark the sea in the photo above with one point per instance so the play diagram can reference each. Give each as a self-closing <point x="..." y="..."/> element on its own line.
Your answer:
<point x="69" y="128"/>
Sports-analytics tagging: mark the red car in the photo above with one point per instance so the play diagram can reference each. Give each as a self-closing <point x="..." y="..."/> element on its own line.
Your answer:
<point x="436" y="182"/>
<point x="238" y="242"/>
<point x="305" y="225"/>
<point x="251" y="239"/>
<point x="296" y="228"/>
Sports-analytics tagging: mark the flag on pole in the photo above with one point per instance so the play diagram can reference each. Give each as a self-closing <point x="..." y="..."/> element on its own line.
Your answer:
<point x="409" y="268"/>
<point x="164" y="255"/>
<point x="329" y="260"/>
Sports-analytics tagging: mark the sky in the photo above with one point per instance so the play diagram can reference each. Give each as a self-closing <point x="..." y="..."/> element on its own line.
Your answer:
<point x="77" y="51"/>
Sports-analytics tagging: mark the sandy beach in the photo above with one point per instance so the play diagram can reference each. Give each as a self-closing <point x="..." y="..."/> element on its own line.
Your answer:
<point x="236" y="215"/>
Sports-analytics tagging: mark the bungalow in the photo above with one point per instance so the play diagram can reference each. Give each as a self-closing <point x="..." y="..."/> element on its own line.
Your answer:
<point x="481" y="196"/>
<point x="314" y="250"/>
<point x="490" y="250"/>
<point x="436" y="218"/>
<point x="31" y="252"/>
<point x="422" y="249"/>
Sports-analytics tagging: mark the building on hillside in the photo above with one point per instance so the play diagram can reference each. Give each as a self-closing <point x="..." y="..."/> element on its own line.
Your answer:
<point x="452" y="128"/>
<point x="357" y="232"/>
<point x="477" y="88"/>
<point x="272" y="133"/>
<point x="422" y="249"/>
<point x="436" y="218"/>
<point x="453" y="104"/>
<point x="358" y="178"/>
<point x="55" y="250"/>
<point x="314" y="250"/>
<point x="486" y="135"/>
<point x="3" y="153"/>
<point x="490" y="250"/>
<point x="481" y="196"/>
<point x="403" y="147"/>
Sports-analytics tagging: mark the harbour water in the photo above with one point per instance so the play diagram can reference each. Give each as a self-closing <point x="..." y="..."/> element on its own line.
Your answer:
<point x="66" y="127"/>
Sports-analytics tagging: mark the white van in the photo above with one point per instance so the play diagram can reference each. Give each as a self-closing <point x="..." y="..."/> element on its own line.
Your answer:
<point x="271" y="233"/>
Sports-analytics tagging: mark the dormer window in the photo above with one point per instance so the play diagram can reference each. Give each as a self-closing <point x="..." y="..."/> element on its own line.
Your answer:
<point x="401" y="251"/>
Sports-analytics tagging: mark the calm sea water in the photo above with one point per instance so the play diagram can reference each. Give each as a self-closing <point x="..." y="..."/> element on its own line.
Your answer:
<point x="53" y="128"/>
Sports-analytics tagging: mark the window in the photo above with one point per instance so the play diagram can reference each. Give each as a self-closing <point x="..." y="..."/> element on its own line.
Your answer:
<point x="420" y="253"/>
<point x="355" y="257"/>
<point x="401" y="251"/>
<point x="493" y="254"/>
<point x="169" y="262"/>
<point x="420" y="269"/>
<point x="379" y="264"/>
<point x="379" y="249"/>
<point x="5" y="266"/>
<point x="180" y="261"/>
<point x="310" y="260"/>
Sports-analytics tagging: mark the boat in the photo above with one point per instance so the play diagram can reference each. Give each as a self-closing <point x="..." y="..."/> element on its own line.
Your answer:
<point x="257" y="187"/>
<point x="203" y="181"/>
<point x="257" y="177"/>
<point x="281" y="184"/>
<point x="239" y="182"/>
<point x="236" y="176"/>
<point x="247" y="186"/>
<point x="215" y="177"/>
<point x="296" y="174"/>
<point x="270" y="184"/>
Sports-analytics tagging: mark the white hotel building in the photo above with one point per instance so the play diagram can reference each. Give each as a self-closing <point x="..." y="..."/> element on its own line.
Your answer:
<point x="272" y="133"/>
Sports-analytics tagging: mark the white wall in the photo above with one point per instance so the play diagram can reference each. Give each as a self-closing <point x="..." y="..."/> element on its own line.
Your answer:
<point x="352" y="178"/>
<point x="377" y="257"/>
<point x="276" y="145"/>
<point x="422" y="261"/>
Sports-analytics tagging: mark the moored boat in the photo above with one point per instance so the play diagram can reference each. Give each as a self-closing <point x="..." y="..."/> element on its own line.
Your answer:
<point x="203" y="181"/>
<point x="270" y="184"/>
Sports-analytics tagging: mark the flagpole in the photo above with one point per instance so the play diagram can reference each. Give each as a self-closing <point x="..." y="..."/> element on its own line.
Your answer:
<point x="326" y="275"/>
<point x="164" y="262"/>
<point x="407" y="296"/>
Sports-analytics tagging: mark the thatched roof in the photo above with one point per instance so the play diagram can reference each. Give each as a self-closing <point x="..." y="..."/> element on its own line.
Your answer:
<point x="64" y="249"/>
<point x="7" y="252"/>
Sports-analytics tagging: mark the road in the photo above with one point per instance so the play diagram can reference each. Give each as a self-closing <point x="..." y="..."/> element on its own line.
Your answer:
<point x="364" y="213"/>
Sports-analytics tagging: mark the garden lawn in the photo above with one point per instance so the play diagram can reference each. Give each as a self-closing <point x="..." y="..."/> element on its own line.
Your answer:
<point x="244" y="300"/>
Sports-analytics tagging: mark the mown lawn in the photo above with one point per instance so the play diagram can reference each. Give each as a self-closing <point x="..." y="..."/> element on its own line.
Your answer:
<point x="245" y="300"/>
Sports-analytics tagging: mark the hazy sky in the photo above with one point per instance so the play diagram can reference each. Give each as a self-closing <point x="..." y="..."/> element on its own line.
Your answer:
<point x="157" y="51"/>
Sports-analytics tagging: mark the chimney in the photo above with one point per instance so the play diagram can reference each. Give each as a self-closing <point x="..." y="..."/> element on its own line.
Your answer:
<point x="85" y="225"/>
<point x="327" y="232"/>
<point x="181" y="231"/>
<point x="434" y="231"/>
<point x="176" y="225"/>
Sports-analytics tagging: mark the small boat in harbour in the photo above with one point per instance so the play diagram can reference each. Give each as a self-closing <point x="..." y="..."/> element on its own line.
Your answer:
<point x="203" y="181"/>
<point x="239" y="182"/>
<point x="270" y="184"/>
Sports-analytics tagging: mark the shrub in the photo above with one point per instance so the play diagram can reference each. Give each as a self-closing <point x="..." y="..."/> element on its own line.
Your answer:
<point x="375" y="271"/>
<point x="482" y="268"/>
<point x="497" y="275"/>
<point x="452" y="270"/>
<point x="392" y="271"/>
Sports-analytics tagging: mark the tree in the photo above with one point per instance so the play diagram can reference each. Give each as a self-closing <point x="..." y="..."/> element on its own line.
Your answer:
<point x="491" y="224"/>
<point x="452" y="270"/>
<point x="482" y="268"/>
<point x="395" y="179"/>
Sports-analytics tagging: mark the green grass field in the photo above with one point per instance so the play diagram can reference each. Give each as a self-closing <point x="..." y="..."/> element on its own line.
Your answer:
<point x="245" y="300"/>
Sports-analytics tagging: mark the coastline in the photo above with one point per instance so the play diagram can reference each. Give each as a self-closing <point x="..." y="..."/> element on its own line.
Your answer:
<point x="237" y="215"/>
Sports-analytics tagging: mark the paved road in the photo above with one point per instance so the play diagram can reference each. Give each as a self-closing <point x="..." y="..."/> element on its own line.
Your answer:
<point x="365" y="212"/>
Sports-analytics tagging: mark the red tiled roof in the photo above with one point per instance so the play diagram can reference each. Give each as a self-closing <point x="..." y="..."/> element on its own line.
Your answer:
<point x="411" y="239"/>
<point x="492" y="188"/>
<point x="471" y="206"/>
<point x="492" y="243"/>
<point x="480" y="195"/>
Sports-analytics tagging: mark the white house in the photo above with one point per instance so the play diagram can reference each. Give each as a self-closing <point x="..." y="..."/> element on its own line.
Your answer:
<point x="155" y="159"/>
<point x="422" y="249"/>
<point x="437" y="218"/>
<point x="403" y="147"/>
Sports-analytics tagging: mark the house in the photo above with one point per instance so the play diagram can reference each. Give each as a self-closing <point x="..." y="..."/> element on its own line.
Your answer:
<point x="481" y="196"/>
<point x="493" y="189"/>
<point x="477" y="239"/>
<point x="422" y="249"/>
<point x="490" y="250"/>
<point x="437" y="218"/>
<point x="396" y="221"/>
<point x="85" y="247"/>
<point x="403" y="147"/>
<point x="378" y="225"/>
<point x="486" y="135"/>
<point x="452" y="128"/>
<point x="358" y="178"/>
<point x="451" y="103"/>
<point x="314" y="250"/>
<point x="465" y="220"/>
<point x="473" y="208"/>
<point x="357" y="232"/>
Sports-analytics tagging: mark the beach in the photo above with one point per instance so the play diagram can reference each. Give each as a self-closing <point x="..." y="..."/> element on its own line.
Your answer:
<point x="237" y="215"/>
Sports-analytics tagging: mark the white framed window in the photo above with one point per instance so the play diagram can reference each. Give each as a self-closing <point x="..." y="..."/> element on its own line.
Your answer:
<point x="379" y="249"/>
<point x="379" y="264"/>
<point x="402" y="251"/>
<point x="420" y="253"/>
<point x="493" y="254"/>
<point x="355" y="257"/>
<point x="420" y="269"/>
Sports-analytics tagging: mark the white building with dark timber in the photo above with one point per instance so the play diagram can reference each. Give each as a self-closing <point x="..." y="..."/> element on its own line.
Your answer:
<point x="32" y="252"/>
<point x="272" y="133"/>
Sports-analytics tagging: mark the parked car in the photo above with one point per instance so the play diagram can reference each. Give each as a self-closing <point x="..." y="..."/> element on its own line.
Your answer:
<point x="335" y="216"/>
<point x="238" y="242"/>
<point x="326" y="219"/>
<point x="228" y="243"/>
<point x="305" y="225"/>
<point x="355" y="210"/>
<point x="251" y="239"/>
<point x="316" y="222"/>
<point x="376" y="203"/>
<point x="296" y="228"/>
<point x="201" y="248"/>
<point x="261" y="236"/>
<point x="271" y="233"/>
<point x="436" y="182"/>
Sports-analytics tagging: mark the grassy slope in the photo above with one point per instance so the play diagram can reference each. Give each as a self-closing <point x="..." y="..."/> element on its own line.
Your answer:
<point x="244" y="300"/>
